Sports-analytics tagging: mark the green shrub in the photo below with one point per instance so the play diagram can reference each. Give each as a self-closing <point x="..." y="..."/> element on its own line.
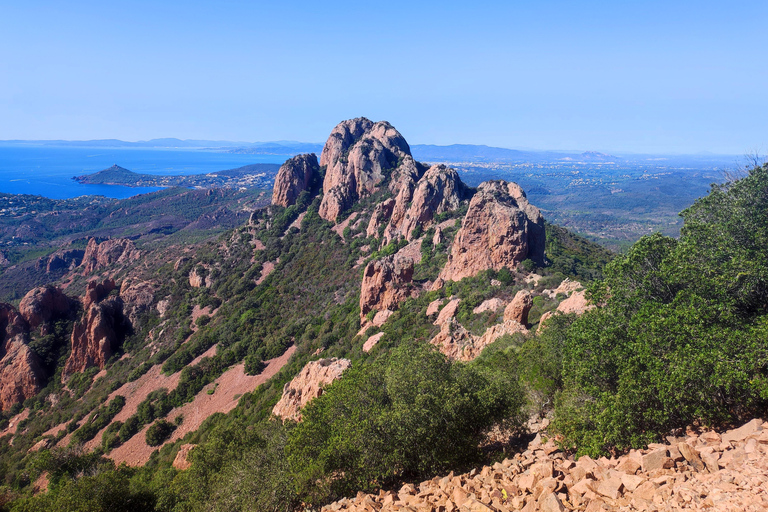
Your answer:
<point x="158" y="432"/>
<point x="409" y="415"/>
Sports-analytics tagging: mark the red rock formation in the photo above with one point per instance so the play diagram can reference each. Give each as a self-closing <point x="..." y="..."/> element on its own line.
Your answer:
<point x="137" y="297"/>
<point x="40" y="305"/>
<point x="181" y="462"/>
<point x="21" y="376"/>
<point x="358" y="156"/>
<point x="308" y="384"/>
<point x="295" y="176"/>
<point x="518" y="309"/>
<point x="101" y="255"/>
<point x="385" y="284"/>
<point x="500" y="229"/>
<point x="96" y="291"/>
<point x="198" y="278"/>
<point x="439" y="190"/>
<point x="96" y="336"/>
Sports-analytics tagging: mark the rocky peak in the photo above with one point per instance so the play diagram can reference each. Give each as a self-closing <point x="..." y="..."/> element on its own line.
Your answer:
<point x="101" y="255"/>
<point x="501" y="229"/>
<point x="308" y="384"/>
<point x="296" y="175"/>
<point x="439" y="190"/>
<point x="96" y="336"/>
<point x="358" y="155"/>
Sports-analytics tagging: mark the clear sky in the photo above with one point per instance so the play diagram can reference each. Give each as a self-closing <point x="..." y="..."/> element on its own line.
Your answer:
<point x="645" y="76"/>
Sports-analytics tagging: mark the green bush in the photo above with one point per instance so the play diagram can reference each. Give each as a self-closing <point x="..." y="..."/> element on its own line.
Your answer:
<point x="410" y="415"/>
<point x="158" y="432"/>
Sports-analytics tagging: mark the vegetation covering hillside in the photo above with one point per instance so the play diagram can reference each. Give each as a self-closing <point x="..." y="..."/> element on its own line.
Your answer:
<point x="678" y="338"/>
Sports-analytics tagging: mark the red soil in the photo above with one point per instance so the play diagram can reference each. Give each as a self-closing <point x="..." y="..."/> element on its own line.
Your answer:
<point x="227" y="387"/>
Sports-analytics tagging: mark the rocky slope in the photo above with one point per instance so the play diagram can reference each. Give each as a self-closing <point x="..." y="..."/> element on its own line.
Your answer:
<point x="697" y="471"/>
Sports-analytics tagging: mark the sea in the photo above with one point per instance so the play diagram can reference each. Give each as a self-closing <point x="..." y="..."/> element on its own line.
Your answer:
<point x="48" y="170"/>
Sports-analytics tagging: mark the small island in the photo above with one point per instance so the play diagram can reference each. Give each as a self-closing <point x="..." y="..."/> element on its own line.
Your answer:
<point x="249" y="176"/>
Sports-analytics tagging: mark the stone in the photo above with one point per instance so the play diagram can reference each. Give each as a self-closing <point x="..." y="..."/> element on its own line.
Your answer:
<point x="372" y="341"/>
<point x="296" y="175"/>
<point x="549" y="502"/>
<point x="517" y="310"/>
<point x="741" y="433"/>
<point x="656" y="459"/>
<point x="447" y="312"/>
<point x="385" y="284"/>
<point x="493" y="304"/>
<point x="629" y="466"/>
<point x="308" y="384"/>
<point x="610" y="487"/>
<point x="692" y="456"/>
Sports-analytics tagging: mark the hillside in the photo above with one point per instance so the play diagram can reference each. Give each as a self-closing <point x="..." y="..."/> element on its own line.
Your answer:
<point x="380" y="322"/>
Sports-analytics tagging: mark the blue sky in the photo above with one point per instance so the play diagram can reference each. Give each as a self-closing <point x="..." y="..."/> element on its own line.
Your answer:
<point x="672" y="76"/>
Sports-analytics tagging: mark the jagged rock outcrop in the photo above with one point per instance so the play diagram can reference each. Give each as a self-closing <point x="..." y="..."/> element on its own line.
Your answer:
<point x="62" y="260"/>
<point x="697" y="471"/>
<point x="576" y="302"/>
<point x="181" y="462"/>
<point x="308" y="384"/>
<point x="95" y="291"/>
<point x="457" y="343"/>
<point x="97" y="335"/>
<point x="439" y="190"/>
<point x="198" y="277"/>
<point x="43" y="304"/>
<point x="138" y="297"/>
<point x="21" y="375"/>
<point x="501" y="229"/>
<point x="358" y="155"/>
<point x="101" y="255"/>
<point x="385" y="284"/>
<point x="517" y="310"/>
<point x="295" y="176"/>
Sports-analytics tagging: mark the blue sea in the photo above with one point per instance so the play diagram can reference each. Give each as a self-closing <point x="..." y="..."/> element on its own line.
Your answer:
<point x="48" y="170"/>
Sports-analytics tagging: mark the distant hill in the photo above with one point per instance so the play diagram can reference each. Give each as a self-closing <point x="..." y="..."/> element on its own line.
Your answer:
<point x="248" y="176"/>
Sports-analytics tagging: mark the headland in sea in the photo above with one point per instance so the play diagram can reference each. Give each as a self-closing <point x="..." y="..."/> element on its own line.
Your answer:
<point x="48" y="170"/>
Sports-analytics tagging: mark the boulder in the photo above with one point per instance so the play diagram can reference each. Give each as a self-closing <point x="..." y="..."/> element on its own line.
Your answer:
<point x="43" y="304"/>
<point x="137" y="296"/>
<point x="308" y="384"/>
<point x="385" y="284"/>
<point x="517" y="310"/>
<point x="500" y="229"/>
<point x="296" y="175"/>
